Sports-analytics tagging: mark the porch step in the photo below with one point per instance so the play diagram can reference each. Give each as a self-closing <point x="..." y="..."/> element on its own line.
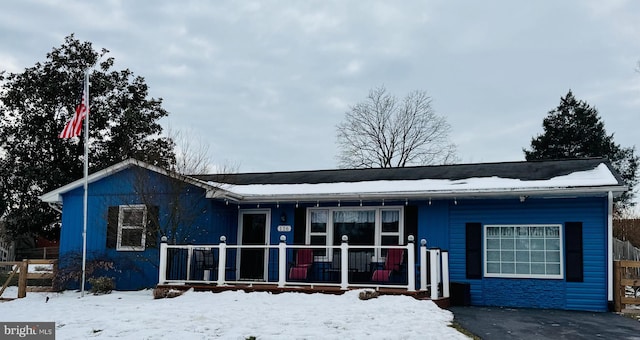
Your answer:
<point x="420" y="295"/>
<point x="40" y="289"/>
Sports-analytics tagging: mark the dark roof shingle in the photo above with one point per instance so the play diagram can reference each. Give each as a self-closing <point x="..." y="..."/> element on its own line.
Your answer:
<point x="532" y="170"/>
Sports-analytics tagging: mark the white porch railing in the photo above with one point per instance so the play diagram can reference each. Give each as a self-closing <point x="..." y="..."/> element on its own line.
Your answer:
<point x="344" y="266"/>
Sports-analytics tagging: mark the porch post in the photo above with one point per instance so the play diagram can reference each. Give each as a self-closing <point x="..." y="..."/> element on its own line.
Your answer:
<point x="162" y="272"/>
<point x="411" y="271"/>
<point x="434" y="255"/>
<point x="445" y="273"/>
<point x="222" y="260"/>
<point x="189" y="257"/>
<point x="344" y="263"/>
<point x="423" y="265"/>
<point x="282" y="261"/>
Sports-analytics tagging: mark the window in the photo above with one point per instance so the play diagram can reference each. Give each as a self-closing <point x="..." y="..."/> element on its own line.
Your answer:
<point x="370" y="226"/>
<point x="358" y="225"/>
<point x="132" y="220"/>
<point x="531" y="251"/>
<point x="318" y="230"/>
<point x="390" y="229"/>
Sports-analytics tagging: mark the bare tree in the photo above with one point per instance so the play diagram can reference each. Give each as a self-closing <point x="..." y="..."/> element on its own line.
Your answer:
<point x="383" y="132"/>
<point x="192" y="155"/>
<point x="181" y="200"/>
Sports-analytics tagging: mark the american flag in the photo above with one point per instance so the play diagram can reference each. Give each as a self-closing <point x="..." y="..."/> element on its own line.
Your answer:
<point x="74" y="126"/>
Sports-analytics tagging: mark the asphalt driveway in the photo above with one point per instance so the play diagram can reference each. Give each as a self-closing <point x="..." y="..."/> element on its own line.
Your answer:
<point x="512" y="323"/>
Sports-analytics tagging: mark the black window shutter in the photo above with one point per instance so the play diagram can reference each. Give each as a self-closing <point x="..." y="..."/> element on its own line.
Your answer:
<point x="411" y="222"/>
<point x="153" y="227"/>
<point x="112" y="226"/>
<point x="474" y="250"/>
<point x="573" y="249"/>
<point x="299" y="226"/>
<point x="411" y="226"/>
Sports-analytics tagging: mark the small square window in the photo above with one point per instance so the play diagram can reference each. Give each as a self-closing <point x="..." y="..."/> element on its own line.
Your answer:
<point x="390" y="221"/>
<point x="132" y="220"/>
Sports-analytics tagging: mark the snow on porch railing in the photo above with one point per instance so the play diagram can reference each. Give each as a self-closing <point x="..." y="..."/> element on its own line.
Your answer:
<point x="342" y="266"/>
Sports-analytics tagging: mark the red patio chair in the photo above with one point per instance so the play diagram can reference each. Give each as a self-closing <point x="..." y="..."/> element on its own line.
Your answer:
<point x="300" y="269"/>
<point x="392" y="264"/>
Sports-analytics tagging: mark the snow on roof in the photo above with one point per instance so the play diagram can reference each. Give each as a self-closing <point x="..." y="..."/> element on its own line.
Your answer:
<point x="557" y="177"/>
<point x="600" y="176"/>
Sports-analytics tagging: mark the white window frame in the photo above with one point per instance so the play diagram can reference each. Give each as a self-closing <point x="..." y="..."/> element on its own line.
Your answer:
<point x="380" y="233"/>
<point x="309" y="233"/>
<point x="377" y="229"/>
<point x="121" y="227"/>
<point x="546" y="250"/>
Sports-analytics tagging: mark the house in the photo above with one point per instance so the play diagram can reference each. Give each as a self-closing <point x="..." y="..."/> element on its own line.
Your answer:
<point x="518" y="234"/>
<point x="7" y="246"/>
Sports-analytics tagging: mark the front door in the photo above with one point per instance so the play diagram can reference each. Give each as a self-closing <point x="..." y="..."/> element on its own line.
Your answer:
<point x="254" y="230"/>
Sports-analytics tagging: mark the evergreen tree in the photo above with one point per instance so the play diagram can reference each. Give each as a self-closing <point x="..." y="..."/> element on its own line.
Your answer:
<point x="34" y="107"/>
<point x="573" y="130"/>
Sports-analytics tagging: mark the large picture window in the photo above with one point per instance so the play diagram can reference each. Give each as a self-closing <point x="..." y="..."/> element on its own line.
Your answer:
<point x="370" y="226"/>
<point x="527" y="251"/>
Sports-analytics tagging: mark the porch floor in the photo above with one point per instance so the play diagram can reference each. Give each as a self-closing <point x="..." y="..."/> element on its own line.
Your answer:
<point x="248" y="288"/>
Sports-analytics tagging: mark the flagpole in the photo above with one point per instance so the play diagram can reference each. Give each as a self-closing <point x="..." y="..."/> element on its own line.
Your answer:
<point x="86" y="181"/>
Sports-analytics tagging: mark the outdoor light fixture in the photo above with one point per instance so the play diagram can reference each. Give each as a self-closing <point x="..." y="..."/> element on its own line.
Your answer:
<point x="338" y="202"/>
<point x="455" y="201"/>
<point x="429" y="200"/>
<point x="406" y="201"/>
<point x="523" y="198"/>
<point x="383" y="202"/>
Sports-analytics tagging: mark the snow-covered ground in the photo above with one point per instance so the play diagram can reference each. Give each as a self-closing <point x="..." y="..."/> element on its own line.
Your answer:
<point x="232" y="315"/>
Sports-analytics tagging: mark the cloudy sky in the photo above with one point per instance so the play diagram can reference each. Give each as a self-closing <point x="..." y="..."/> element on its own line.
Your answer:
<point x="265" y="83"/>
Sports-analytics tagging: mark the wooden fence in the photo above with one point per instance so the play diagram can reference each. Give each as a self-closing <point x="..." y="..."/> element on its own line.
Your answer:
<point x="38" y="253"/>
<point x="626" y="283"/>
<point x="29" y="270"/>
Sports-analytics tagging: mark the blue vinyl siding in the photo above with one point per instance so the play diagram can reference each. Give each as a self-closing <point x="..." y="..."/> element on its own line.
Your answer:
<point x="207" y="221"/>
<point x="540" y="293"/>
<point x="433" y="221"/>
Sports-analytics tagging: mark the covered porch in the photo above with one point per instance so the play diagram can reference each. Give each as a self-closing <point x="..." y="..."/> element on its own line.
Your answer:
<point x="399" y="269"/>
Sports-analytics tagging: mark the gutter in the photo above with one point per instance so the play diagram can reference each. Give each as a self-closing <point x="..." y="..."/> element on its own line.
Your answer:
<point x="356" y="196"/>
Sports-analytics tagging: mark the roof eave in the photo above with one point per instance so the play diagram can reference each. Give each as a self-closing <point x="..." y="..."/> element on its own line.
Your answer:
<point x="433" y="194"/>
<point x="55" y="196"/>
